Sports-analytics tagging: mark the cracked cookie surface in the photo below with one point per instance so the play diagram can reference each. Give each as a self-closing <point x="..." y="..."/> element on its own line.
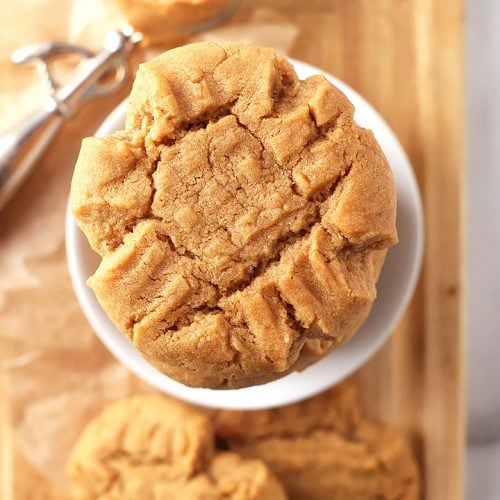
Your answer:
<point x="242" y="216"/>
<point x="157" y="448"/>
<point x="323" y="448"/>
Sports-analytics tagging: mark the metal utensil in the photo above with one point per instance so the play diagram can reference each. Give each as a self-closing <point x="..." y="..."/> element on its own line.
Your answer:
<point x="23" y="145"/>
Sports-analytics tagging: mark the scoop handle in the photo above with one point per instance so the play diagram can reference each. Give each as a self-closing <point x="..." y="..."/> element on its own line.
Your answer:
<point x="22" y="146"/>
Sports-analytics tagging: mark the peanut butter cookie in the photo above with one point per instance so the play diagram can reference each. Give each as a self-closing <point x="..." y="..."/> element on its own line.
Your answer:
<point x="322" y="448"/>
<point x="242" y="216"/>
<point x="157" y="448"/>
<point x="161" y="20"/>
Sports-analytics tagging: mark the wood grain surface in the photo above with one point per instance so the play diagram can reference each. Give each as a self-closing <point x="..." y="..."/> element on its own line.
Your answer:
<point x="406" y="58"/>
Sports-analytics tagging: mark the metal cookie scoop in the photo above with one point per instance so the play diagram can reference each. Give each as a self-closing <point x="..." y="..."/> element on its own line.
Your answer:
<point x="23" y="145"/>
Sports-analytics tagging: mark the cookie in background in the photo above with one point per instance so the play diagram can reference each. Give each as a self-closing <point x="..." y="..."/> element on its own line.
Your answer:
<point x="323" y="448"/>
<point x="156" y="448"/>
<point x="162" y="21"/>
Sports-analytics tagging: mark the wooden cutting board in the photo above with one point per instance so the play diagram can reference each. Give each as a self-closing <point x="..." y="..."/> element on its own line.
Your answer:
<point x="406" y="58"/>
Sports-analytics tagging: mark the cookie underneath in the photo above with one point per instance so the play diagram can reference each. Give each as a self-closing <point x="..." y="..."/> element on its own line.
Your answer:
<point x="242" y="216"/>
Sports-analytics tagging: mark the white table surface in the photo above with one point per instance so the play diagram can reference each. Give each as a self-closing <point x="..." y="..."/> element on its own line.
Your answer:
<point x="483" y="93"/>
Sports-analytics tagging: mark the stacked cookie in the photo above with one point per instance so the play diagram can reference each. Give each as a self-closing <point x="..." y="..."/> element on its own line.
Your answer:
<point x="242" y="216"/>
<point x="159" y="448"/>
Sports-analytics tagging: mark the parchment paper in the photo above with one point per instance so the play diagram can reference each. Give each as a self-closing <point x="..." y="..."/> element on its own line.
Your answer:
<point x="54" y="373"/>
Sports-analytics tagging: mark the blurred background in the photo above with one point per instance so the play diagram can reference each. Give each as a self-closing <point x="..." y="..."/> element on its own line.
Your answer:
<point x="375" y="46"/>
<point x="483" y="84"/>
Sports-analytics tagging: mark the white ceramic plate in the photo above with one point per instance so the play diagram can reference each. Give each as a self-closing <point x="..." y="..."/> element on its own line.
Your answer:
<point x="395" y="288"/>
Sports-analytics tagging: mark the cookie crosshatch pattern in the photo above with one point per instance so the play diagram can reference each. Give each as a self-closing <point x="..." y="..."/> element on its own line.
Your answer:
<point x="242" y="216"/>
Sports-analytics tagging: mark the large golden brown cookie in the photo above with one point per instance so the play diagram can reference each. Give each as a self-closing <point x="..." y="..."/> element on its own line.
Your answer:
<point x="242" y="216"/>
<point x="154" y="448"/>
<point x="323" y="449"/>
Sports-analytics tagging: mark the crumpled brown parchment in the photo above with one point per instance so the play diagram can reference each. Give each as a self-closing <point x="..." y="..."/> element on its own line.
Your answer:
<point x="54" y="373"/>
